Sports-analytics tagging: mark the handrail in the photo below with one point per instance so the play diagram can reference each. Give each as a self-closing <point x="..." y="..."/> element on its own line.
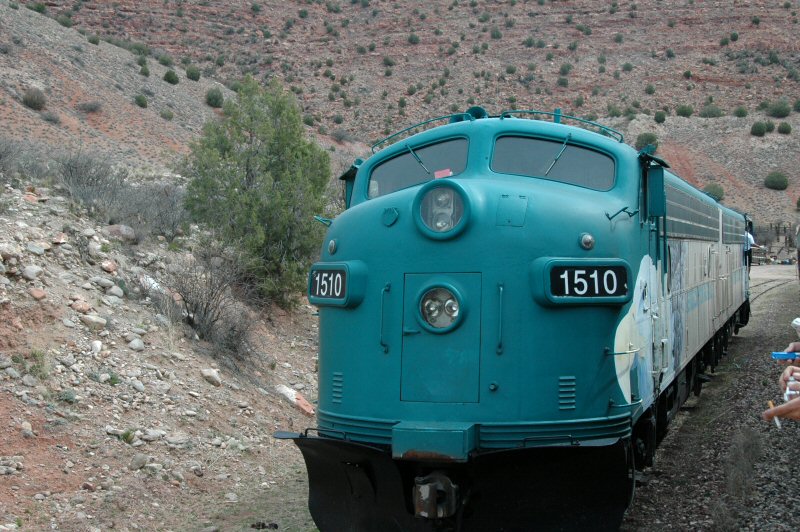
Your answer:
<point x="461" y="116"/>
<point x="557" y="117"/>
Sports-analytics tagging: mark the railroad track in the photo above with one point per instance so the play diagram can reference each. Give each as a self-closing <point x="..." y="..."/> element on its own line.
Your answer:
<point x="758" y="289"/>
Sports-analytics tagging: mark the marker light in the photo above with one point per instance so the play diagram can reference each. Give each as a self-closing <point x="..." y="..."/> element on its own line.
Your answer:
<point x="439" y="308"/>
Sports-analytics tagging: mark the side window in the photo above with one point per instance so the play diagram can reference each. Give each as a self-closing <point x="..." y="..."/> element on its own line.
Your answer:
<point x="418" y="165"/>
<point x="556" y="161"/>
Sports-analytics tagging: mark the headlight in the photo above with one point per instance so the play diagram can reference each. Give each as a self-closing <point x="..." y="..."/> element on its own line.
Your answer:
<point x="441" y="209"/>
<point x="439" y="308"/>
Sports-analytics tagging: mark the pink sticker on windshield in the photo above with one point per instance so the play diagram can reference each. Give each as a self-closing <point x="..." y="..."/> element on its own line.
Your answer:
<point x="438" y="174"/>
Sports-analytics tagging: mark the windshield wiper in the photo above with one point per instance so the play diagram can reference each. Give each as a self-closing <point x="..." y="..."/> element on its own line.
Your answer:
<point x="563" y="147"/>
<point x="412" y="152"/>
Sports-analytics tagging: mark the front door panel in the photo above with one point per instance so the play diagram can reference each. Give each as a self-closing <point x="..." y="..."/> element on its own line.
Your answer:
<point x="441" y="367"/>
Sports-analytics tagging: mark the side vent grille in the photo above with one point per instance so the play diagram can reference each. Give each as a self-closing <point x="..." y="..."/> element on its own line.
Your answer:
<point x="338" y="387"/>
<point x="567" y="392"/>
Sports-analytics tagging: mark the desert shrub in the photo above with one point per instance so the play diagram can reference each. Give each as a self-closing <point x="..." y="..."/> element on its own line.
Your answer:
<point x="10" y="151"/>
<point x="740" y="112"/>
<point x="261" y="189"/>
<point x="660" y="117"/>
<point x="166" y="114"/>
<point x="646" y="138"/>
<point x="784" y="128"/>
<point x="53" y="118"/>
<point x="150" y="208"/>
<point x="90" y="180"/>
<point x="38" y="7"/>
<point x="193" y="73"/>
<point x="650" y="89"/>
<point x="714" y="190"/>
<point x="796" y="105"/>
<point x="166" y="60"/>
<point x="770" y="126"/>
<point x="171" y="77"/>
<point x="684" y="110"/>
<point x="758" y="129"/>
<point x="93" y="39"/>
<point x="776" y="181"/>
<point x="214" y="97"/>
<point x="64" y="20"/>
<point x="89" y="107"/>
<point x="413" y="38"/>
<point x="779" y="109"/>
<point x="140" y="100"/>
<point x="34" y="99"/>
<point x="209" y="285"/>
<point x="144" y="71"/>
<point x="711" y="111"/>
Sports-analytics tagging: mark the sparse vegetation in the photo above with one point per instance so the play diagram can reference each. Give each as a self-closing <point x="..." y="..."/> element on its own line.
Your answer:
<point x="758" y="129"/>
<point x="714" y="190"/>
<point x="214" y="97"/>
<point x="140" y="100"/>
<point x="34" y="99"/>
<point x="776" y="181"/>
<point x="711" y="111"/>
<point x="166" y="114"/>
<point x="171" y="77"/>
<point x="644" y="139"/>
<point x="779" y="109"/>
<point x="740" y="112"/>
<point x="89" y="107"/>
<point x="784" y="128"/>
<point x="193" y="73"/>
<point x="660" y="117"/>
<point x="684" y="110"/>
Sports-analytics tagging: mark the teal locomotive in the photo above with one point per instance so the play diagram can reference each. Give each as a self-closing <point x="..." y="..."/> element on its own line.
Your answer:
<point x="511" y="310"/>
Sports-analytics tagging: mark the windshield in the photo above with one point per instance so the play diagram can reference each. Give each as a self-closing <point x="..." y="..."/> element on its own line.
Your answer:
<point x="418" y="165"/>
<point x="555" y="161"/>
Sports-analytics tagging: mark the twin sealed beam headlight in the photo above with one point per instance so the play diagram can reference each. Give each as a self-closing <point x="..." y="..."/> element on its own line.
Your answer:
<point x="441" y="209"/>
<point x="440" y="308"/>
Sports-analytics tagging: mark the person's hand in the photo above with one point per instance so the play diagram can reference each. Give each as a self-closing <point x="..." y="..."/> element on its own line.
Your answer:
<point x="790" y="378"/>
<point x="794" y="347"/>
<point x="789" y="410"/>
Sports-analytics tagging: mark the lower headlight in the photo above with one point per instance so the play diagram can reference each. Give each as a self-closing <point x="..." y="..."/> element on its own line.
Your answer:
<point x="439" y="308"/>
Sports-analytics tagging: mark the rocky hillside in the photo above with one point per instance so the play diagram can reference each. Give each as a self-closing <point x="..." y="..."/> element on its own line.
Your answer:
<point x="361" y="69"/>
<point x="116" y="416"/>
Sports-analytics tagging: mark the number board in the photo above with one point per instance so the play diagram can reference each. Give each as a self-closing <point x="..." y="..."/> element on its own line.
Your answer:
<point x="328" y="283"/>
<point x="588" y="281"/>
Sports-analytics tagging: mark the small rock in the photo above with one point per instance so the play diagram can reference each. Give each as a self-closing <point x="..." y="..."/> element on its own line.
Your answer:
<point x="37" y="293"/>
<point x="123" y="232"/>
<point x="177" y="439"/>
<point x="136" y="344"/>
<point x="81" y="306"/>
<point x="212" y="376"/>
<point x="231" y="497"/>
<point x="13" y="373"/>
<point x="5" y="362"/>
<point x="97" y="346"/>
<point x="115" y="291"/>
<point x="93" y="321"/>
<point x="108" y="266"/>
<point x="30" y="381"/>
<point x="69" y="324"/>
<point x="35" y="249"/>
<point x="31" y="272"/>
<point x="137" y="385"/>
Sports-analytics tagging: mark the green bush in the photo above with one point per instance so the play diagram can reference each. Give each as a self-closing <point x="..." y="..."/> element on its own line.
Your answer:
<point x="413" y="38"/>
<point x="93" y="39"/>
<point x="144" y="71"/>
<point x="776" y="181"/>
<point x="645" y="139"/>
<point x="38" y="7"/>
<point x="140" y="100"/>
<point x="784" y="128"/>
<point x="193" y="73"/>
<point x="796" y="106"/>
<point x="214" y="97"/>
<point x="34" y="99"/>
<point x="740" y="112"/>
<point x="166" y="114"/>
<point x="166" y="60"/>
<point x="684" y="110"/>
<point x="758" y="129"/>
<point x="770" y="126"/>
<point x="650" y="89"/>
<point x="64" y="20"/>
<point x="660" y="117"/>
<point x="714" y="190"/>
<point x="171" y="77"/>
<point x="779" y="109"/>
<point x="261" y="191"/>
<point x="711" y="111"/>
